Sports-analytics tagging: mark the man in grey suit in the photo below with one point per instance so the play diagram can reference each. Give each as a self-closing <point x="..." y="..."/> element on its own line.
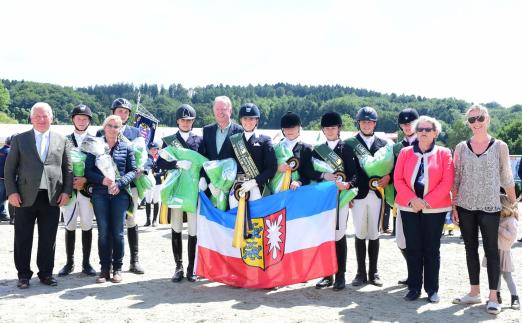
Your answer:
<point x="38" y="181"/>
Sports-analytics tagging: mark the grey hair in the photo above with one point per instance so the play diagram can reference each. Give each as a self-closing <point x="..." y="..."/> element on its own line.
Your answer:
<point x="112" y="117"/>
<point x="483" y="110"/>
<point x="43" y="105"/>
<point x="225" y="100"/>
<point x="434" y="122"/>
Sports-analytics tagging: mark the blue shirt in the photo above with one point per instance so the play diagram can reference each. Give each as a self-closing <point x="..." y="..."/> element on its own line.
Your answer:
<point x="221" y="135"/>
<point x="3" y="156"/>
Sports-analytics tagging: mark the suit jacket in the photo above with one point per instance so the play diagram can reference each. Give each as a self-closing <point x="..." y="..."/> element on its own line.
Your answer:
<point x="364" y="185"/>
<point x="209" y="148"/>
<point x="346" y="153"/>
<point x="262" y="152"/>
<point x="24" y="169"/>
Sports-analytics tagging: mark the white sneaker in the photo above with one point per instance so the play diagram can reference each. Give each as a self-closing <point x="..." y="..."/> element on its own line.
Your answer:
<point x="493" y="308"/>
<point x="467" y="299"/>
<point x="434" y="298"/>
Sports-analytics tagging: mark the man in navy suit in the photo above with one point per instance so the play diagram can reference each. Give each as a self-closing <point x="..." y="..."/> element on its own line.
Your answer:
<point x="185" y="116"/>
<point x="122" y="108"/>
<point x="217" y="134"/>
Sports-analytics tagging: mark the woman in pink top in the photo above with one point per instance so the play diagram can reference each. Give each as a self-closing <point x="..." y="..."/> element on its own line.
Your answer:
<point x="423" y="179"/>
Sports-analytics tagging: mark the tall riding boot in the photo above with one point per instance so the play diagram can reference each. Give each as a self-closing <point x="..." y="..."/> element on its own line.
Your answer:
<point x="132" y="234"/>
<point x="341" y="250"/>
<point x="70" y="237"/>
<point x="177" y="251"/>
<point x="86" y="249"/>
<point x="360" y="253"/>
<point x="191" y="275"/>
<point x="147" y="213"/>
<point x="156" y="212"/>
<point x="404" y="281"/>
<point x="373" y="253"/>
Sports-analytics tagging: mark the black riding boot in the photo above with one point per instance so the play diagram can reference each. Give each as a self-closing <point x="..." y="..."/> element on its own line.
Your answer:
<point x="177" y="249"/>
<point x="70" y="237"/>
<point x="191" y="275"/>
<point x="156" y="212"/>
<point x="132" y="235"/>
<point x="373" y="253"/>
<point x="147" y="213"/>
<point x="340" y="249"/>
<point x="360" y="253"/>
<point x="86" y="249"/>
<point x="404" y="281"/>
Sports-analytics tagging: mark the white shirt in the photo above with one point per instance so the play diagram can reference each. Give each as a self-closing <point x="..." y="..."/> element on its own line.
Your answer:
<point x="290" y="143"/>
<point x="42" y="143"/>
<point x="79" y="138"/>
<point x="368" y="140"/>
<point x="184" y="135"/>
<point x="332" y="143"/>
<point x="411" y="139"/>
<point x="248" y="135"/>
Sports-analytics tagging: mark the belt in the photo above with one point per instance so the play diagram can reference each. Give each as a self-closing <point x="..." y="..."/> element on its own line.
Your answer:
<point x="242" y="178"/>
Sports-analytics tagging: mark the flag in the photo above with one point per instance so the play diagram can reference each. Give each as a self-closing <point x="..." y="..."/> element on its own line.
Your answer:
<point x="147" y="124"/>
<point x="293" y="239"/>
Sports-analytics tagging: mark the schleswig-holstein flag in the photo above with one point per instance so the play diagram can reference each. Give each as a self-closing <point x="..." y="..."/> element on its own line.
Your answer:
<point x="293" y="239"/>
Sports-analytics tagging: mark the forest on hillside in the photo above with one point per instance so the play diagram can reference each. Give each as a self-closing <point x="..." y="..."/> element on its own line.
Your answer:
<point x="310" y="102"/>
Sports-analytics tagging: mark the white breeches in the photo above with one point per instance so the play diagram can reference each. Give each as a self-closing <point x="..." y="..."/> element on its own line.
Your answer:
<point x="365" y="213"/>
<point x="255" y="194"/>
<point x="131" y="220"/>
<point x="153" y="195"/>
<point x="81" y="207"/>
<point x="343" y="219"/>
<point x="399" y="232"/>
<point x="176" y="221"/>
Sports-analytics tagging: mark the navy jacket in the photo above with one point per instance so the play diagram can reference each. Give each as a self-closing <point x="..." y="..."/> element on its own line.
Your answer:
<point x="193" y="142"/>
<point x="262" y="152"/>
<point x="346" y="153"/>
<point x="3" y="156"/>
<point x="364" y="185"/>
<point x="151" y="166"/>
<point x="123" y="158"/>
<point x="209" y="148"/>
<point x="303" y="152"/>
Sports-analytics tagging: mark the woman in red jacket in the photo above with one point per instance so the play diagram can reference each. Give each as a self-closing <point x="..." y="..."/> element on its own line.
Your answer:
<point x="423" y="179"/>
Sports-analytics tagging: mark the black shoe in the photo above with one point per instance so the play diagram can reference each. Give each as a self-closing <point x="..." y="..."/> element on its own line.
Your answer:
<point x="4" y="218"/>
<point x="499" y="299"/>
<point x="403" y="281"/>
<point x="340" y="282"/>
<point x="66" y="270"/>
<point x="23" y="283"/>
<point x="136" y="268"/>
<point x="359" y="280"/>
<point x="88" y="270"/>
<point x="50" y="281"/>
<point x="412" y="295"/>
<point x="147" y="224"/>
<point x="515" y="302"/>
<point x="192" y="278"/>
<point x="375" y="280"/>
<point x="325" y="282"/>
<point x="519" y="240"/>
<point x="178" y="275"/>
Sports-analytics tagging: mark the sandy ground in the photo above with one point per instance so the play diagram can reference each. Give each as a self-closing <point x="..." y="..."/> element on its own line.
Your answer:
<point x="153" y="297"/>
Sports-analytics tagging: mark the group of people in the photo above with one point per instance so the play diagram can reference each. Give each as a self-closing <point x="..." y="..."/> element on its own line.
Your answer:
<point x="428" y="181"/>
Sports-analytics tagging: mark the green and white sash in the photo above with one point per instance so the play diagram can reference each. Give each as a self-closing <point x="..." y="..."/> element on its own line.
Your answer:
<point x="172" y="140"/>
<point x="243" y="156"/>
<point x="330" y="157"/>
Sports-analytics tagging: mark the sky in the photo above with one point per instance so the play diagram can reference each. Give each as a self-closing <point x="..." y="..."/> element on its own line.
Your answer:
<point x="467" y="49"/>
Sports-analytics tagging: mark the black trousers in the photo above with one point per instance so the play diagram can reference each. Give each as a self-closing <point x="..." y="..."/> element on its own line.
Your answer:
<point x="47" y="217"/>
<point x="470" y="223"/>
<point x="423" y="232"/>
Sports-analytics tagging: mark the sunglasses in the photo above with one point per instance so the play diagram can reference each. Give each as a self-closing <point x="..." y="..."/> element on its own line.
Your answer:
<point x="111" y="126"/>
<point x="480" y="118"/>
<point x="425" y="129"/>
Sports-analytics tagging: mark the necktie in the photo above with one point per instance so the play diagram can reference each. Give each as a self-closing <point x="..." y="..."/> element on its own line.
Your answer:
<point x="41" y="148"/>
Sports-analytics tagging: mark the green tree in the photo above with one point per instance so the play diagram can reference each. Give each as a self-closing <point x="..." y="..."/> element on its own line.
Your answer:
<point x="511" y="134"/>
<point x="458" y="132"/>
<point x="4" y="118"/>
<point x="5" y="98"/>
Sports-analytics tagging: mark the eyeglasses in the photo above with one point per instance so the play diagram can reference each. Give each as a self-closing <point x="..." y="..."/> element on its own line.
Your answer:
<point x="480" y="118"/>
<point x="425" y="129"/>
<point x="113" y="127"/>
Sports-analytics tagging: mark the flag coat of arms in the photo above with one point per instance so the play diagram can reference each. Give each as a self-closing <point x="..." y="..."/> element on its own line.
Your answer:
<point x="292" y="239"/>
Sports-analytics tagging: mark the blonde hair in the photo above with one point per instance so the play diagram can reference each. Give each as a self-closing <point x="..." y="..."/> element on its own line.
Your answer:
<point x="112" y="117"/>
<point x="434" y="122"/>
<point x="507" y="207"/>
<point x="483" y="110"/>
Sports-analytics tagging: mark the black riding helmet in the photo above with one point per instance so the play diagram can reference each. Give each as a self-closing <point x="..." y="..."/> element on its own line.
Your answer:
<point x="185" y="111"/>
<point x="249" y="110"/>
<point x="331" y="119"/>
<point x="366" y="114"/>
<point x="121" y="103"/>
<point x="81" y="109"/>
<point x="407" y="115"/>
<point x="290" y="120"/>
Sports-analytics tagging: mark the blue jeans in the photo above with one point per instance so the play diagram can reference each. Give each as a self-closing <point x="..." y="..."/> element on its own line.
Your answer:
<point x="110" y="217"/>
<point x="3" y="198"/>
